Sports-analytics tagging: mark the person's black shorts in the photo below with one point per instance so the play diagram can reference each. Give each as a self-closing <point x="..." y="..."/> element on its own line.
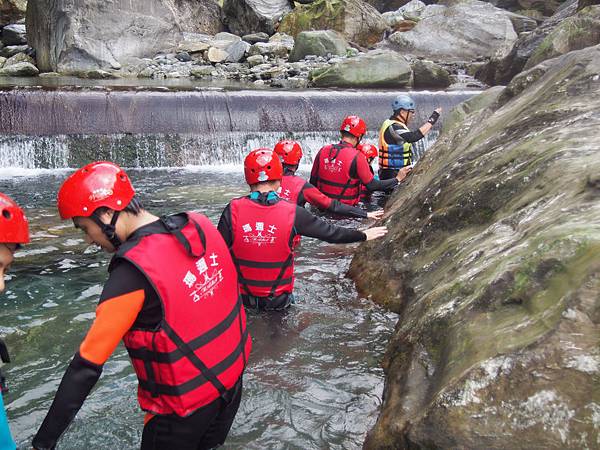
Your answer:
<point x="278" y="303"/>
<point x="205" y="429"/>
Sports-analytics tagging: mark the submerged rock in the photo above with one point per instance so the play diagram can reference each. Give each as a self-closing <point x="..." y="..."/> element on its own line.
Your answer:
<point x="493" y="262"/>
<point x="375" y="69"/>
<point x="464" y="31"/>
<point x="356" y="20"/>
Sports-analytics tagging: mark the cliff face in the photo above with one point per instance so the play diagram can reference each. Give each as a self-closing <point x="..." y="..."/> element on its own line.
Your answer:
<point x="493" y="262"/>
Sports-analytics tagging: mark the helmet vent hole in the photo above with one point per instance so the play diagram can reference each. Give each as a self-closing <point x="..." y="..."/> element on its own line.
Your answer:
<point x="6" y="214"/>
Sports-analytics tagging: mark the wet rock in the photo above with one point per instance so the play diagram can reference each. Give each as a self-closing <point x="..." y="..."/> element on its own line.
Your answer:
<point x="356" y="20"/>
<point x="98" y="74"/>
<point x="574" y="33"/>
<point x="376" y="69"/>
<point x="19" y="58"/>
<point x="523" y="24"/>
<point x="14" y="34"/>
<point x="492" y="263"/>
<point x="318" y="43"/>
<point x="70" y="37"/>
<point x="12" y="10"/>
<point x="201" y="71"/>
<point x="2" y="61"/>
<point x="428" y="74"/>
<point x="464" y="31"/>
<point x="252" y="16"/>
<point x="290" y="83"/>
<point x="22" y="69"/>
<point x="256" y="37"/>
<point x="11" y="50"/>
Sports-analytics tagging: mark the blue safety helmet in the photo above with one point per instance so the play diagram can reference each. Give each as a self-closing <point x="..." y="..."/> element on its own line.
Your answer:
<point x="403" y="101"/>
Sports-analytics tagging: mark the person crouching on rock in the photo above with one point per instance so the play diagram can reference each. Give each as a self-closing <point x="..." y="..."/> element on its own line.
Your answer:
<point x="14" y="231"/>
<point x="339" y="169"/>
<point x="297" y="190"/>
<point x="262" y="231"/>
<point x="396" y="139"/>
<point x="172" y="297"/>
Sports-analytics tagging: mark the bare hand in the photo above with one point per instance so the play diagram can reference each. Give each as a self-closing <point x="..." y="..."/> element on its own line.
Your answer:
<point x="403" y="173"/>
<point x="375" y="233"/>
<point x="438" y="110"/>
<point x="375" y="214"/>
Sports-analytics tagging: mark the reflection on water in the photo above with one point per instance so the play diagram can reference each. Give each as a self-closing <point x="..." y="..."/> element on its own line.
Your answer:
<point x="313" y="381"/>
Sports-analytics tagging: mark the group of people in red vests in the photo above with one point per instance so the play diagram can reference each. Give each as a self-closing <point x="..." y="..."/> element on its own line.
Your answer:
<point x="178" y="287"/>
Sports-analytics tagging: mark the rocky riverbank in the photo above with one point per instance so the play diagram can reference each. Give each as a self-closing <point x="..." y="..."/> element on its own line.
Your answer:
<point x="493" y="263"/>
<point x="320" y="43"/>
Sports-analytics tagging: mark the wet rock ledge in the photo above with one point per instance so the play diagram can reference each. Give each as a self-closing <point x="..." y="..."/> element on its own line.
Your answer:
<point x="493" y="263"/>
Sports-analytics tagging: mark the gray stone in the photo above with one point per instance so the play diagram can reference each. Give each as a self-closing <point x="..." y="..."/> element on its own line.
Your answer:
<point x="71" y="37"/>
<point x="271" y="49"/>
<point x="22" y="69"/>
<point x="427" y="74"/>
<point x="183" y="56"/>
<point x="2" y="61"/>
<point x="19" y="58"/>
<point x="14" y="34"/>
<point x="256" y="37"/>
<point x="255" y="60"/>
<point x="318" y="43"/>
<point x="413" y="10"/>
<point x="217" y="55"/>
<point x="201" y="71"/>
<point x="11" y="50"/>
<point x="380" y="68"/>
<point x="252" y="16"/>
<point x="237" y="51"/>
<point x="462" y="32"/>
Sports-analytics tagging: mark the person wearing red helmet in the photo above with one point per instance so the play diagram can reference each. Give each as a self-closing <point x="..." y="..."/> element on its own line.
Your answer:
<point x="14" y="231"/>
<point x="262" y="231"/>
<point x="370" y="152"/>
<point x="297" y="190"/>
<point x="184" y="328"/>
<point x="339" y="169"/>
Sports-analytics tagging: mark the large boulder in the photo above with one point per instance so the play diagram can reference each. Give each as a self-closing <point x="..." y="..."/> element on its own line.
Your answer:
<point x="253" y="16"/>
<point x="12" y="11"/>
<point x="428" y="74"/>
<point x="502" y="70"/>
<point x="461" y="32"/>
<point x="377" y="69"/>
<point x="21" y="69"/>
<point x="74" y="37"/>
<point x="576" y="32"/>
<point x="319" y="43"/>
<point x="492" y="261"/>
<point x="356" y="20"/>
<point x="14" y="34"/>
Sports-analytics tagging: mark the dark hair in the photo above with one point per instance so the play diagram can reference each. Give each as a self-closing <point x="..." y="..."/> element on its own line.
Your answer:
<point x="134" y="207"/>
<point x="346" y="134"/>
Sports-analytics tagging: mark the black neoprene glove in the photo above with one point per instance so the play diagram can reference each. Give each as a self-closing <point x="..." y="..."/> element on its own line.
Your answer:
<point x="433" y="118"/>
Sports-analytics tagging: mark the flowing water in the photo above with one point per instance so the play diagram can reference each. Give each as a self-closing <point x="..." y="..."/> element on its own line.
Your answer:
<point x="314" y="378"/>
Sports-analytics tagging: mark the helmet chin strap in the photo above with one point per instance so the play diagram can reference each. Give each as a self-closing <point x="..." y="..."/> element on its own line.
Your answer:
<point x="109" y="229"/>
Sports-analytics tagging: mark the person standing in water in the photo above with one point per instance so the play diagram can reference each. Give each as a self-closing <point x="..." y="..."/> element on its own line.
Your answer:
<point x="262" y="231"/>
<point x="339" y="169"/>
<point x="172" y="296"/>
<point x="370" y="152"/>
<point x="297" y="190"/>
<point x="396" y="139"/>
<point x="14" y="231"/>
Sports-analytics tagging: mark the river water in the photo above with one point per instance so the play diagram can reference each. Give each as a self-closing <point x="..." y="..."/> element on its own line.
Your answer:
<point x="314" y="379"/>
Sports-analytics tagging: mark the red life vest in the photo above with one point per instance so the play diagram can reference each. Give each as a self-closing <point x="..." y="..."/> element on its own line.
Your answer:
<point x="263" y="247"/>
<point x="291" y="187"/>
<point x="333" y="176"/>
<point x="201" y="346"/>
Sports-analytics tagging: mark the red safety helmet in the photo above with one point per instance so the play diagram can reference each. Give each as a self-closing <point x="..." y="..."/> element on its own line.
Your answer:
<point x="354" y="125"/>
<point x="289" y="151"/>
<point x="14" y="227"/>
<point x="93" y="186"/>
<point x="262" y="164"/>
<point x="369" y="150"/>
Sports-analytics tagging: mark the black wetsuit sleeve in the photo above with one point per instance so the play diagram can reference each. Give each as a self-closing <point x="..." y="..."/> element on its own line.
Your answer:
<point x="76" y="384"/>
<point x="307" y="224"/>
<point x="400" y="135"/>
<point x="337" y="207"/>
<point x="381" y="185"/>
<point x="224" y="226"/>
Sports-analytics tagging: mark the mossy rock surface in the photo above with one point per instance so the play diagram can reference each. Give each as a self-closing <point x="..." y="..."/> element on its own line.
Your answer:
<point x="356" y="20"/>
<point x="493" y="263"/>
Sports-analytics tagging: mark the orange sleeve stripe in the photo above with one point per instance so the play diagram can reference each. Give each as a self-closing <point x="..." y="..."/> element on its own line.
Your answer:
<point x="114" y="317"/>
<point x="147" y="418"/>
